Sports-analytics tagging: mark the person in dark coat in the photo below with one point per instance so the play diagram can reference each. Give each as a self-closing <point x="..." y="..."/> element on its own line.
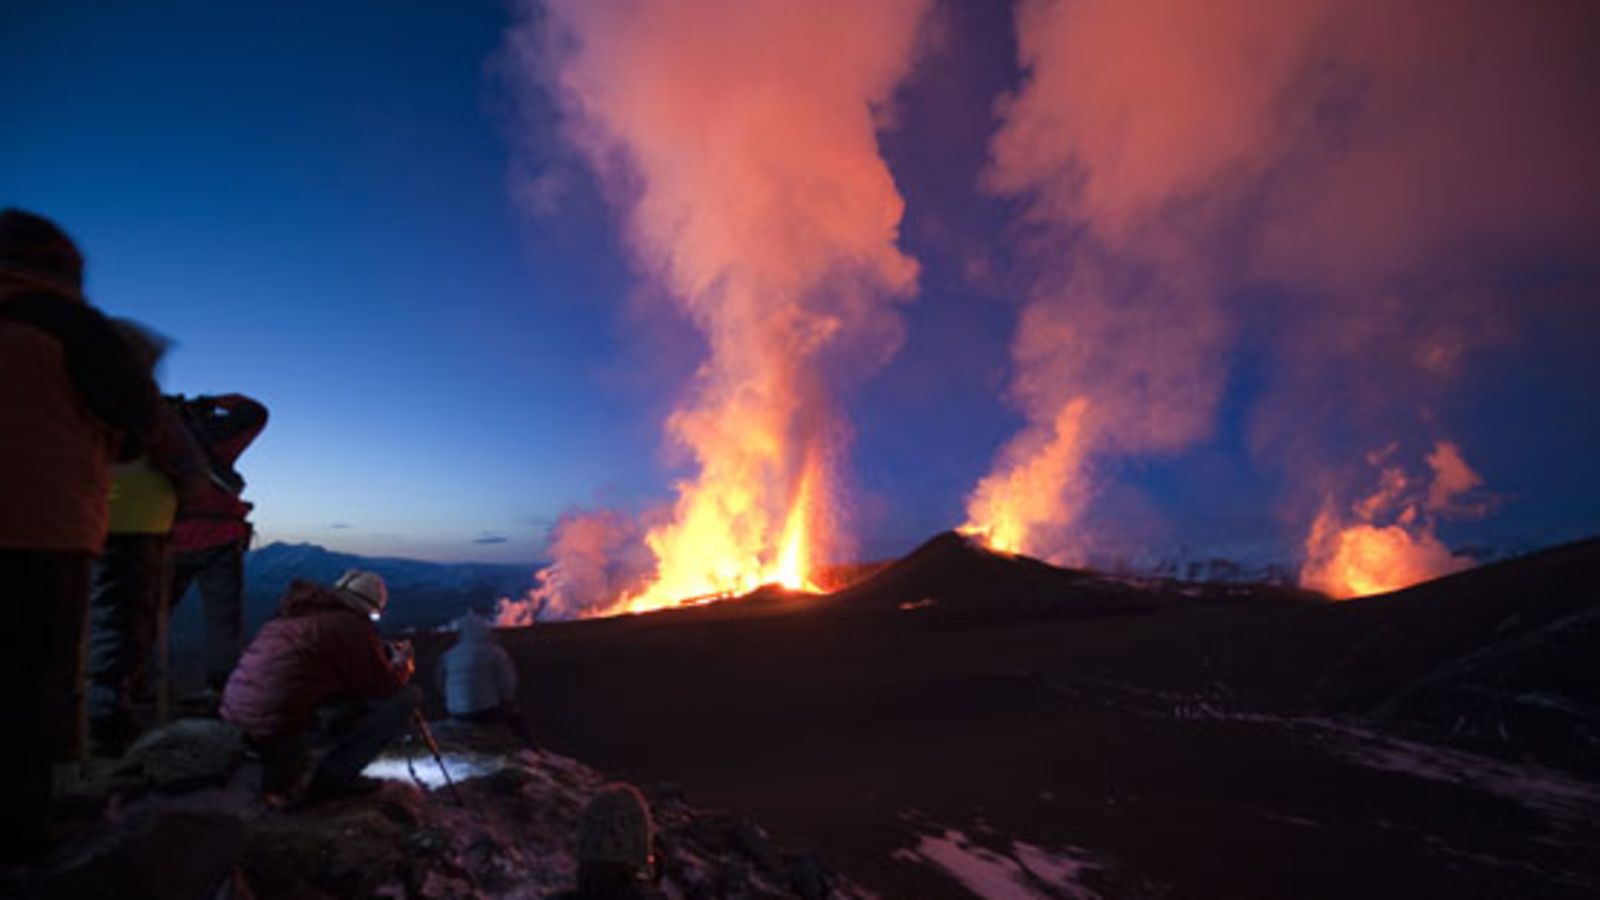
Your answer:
<point x="213" y="530"/>
<point x="319" y="678"/>
<point x="129" y="580"/>
<point x="70" y="390"/>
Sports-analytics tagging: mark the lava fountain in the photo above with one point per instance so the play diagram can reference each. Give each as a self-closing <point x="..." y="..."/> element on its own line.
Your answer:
<point x="739" y="141"/>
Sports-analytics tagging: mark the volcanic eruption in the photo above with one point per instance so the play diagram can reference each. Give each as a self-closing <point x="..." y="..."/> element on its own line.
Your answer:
<point x="755" y="196"/>
<point x="1202" y="184"/>
<point x="1386" y="541"/>
<point x="1247" y="220"/>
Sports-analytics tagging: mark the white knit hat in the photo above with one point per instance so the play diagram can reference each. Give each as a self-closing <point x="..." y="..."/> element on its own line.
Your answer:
<point x="363" y="591"/>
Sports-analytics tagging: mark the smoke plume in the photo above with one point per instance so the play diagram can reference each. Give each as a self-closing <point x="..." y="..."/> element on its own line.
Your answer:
<point x="1336" y="187"/>
<point x="738" y="138"/>
<point x="602" y="556"/>
<point x="1387" y="541"/>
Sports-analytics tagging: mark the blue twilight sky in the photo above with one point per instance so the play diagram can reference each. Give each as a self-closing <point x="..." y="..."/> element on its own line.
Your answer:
<point x="317" y="202"/>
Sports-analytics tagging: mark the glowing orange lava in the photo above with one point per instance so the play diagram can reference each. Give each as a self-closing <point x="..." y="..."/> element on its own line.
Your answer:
<point x="1361" y="560"/>
<point x="725" y="545"/>
<point x="1387" y="541"/>
<point x="757" y="200"/>
<point x="1040" y="485"/>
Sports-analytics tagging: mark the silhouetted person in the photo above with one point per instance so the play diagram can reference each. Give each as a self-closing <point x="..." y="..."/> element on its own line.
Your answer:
<point x="213" y="528"/>
<point x="318" y="678"/>
<point x="69" y="388"/>
<point x="131" y="577"/>
<point x="478" y="681"/>
<point x="615" y="859"/>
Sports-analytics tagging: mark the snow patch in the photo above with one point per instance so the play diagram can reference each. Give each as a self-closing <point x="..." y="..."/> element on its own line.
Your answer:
<point x="1546" y="791"/>
<point x="425" y="770"/>
<point x="1025" y="873"/>
<point x="1539" y="789"/>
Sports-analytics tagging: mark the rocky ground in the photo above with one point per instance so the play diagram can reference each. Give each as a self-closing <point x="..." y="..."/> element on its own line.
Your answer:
<point x="179" y="818"/>
<point x="957" y="724"/>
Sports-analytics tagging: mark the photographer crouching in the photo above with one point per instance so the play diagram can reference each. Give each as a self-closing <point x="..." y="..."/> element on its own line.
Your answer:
<point x="318" y="693"/>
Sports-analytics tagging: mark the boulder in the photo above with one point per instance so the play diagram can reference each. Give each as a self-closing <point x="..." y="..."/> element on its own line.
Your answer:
<point x="165" y="855"/>
<point x="187" y="754"/>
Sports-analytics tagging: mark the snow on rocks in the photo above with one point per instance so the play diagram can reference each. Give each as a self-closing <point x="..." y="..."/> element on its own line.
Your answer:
<point x="1557" y="795"/>
<point x="513" y="832"/>
<point x="1020" y="871"/>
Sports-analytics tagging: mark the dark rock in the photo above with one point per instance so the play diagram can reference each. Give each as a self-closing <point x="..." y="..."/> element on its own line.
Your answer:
<point x="733" y="879"/>
<point x="428" y="841"/>
<point x="397" y="811"/>
<point x="755" y="844"/>
<point x="667" y="793"/>
<point x="808" y="878"/>
<point x="167" y="855"/>
<point x="484" y="861"/>
<point x="505" y="781"/>
<point x="184" y="755"/>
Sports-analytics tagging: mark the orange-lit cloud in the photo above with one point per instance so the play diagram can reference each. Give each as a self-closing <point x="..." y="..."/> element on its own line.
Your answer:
<point x="1452" y="477"/>
<point x="1387" y="539"/>
<point x="1340" y="182"/>
<point x="602" y="556"/>
<point x="739" y="140"/>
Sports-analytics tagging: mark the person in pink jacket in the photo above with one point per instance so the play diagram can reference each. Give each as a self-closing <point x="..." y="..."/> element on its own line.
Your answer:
<point x="318" y="680"/>
<point x="213" y="530"/>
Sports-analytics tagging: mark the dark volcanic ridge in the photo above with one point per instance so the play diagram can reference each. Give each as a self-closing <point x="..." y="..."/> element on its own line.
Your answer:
<point x="958" y="712"/>
<point x="1503" y="658"/>
<point x="956" y="573"/>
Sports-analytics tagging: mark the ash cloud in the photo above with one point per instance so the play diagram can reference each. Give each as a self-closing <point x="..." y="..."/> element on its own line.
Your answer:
<point x="1338" y="186"/>
<point x="738" y="140"/>
<point x="599" y="555"/>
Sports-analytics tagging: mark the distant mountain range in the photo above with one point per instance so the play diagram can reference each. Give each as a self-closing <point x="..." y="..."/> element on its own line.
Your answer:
<point x="421" y="594"/>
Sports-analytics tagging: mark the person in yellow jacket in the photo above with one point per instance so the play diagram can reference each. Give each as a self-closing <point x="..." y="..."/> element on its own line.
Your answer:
<point x="130" y="577"/>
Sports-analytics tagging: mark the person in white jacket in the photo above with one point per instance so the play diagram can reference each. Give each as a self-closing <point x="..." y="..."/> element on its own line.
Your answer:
<point x="478" y="680"/>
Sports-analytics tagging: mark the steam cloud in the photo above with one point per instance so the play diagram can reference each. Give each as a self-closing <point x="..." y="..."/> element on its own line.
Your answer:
<point x="1387" y="540"/>
<point x="739" y="139"/>
<point x="1341" y="183"/>
<point x="602" y="556"/>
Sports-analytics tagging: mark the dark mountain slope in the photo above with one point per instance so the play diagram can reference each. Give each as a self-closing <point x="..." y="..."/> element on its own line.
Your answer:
<point x="1156" y="731"/>
<point x="1504" y="658"/>
<point x="1410" y="634"/>
<point x="953" y="577"/>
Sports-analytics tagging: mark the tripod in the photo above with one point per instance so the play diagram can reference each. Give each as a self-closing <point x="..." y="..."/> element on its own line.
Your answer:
<point x="433" y="747"/>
